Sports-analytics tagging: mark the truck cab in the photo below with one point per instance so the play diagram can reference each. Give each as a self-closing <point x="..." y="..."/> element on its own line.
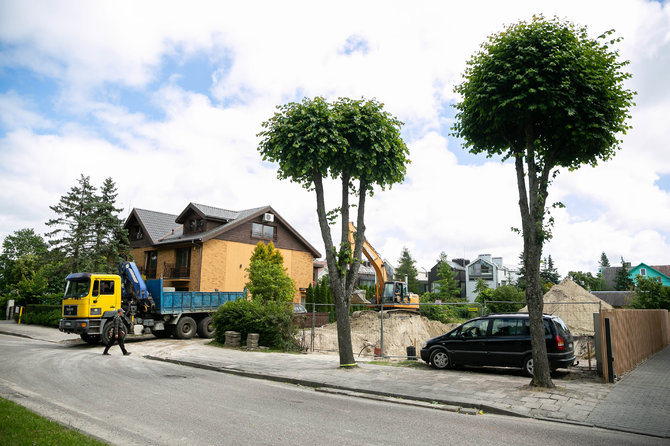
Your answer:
<point x="88" y="299"/>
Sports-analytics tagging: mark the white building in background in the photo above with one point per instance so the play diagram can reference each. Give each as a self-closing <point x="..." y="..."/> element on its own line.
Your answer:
<point x="491" y="270"/>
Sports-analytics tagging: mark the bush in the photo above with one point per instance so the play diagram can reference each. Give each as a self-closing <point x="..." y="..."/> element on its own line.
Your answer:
<point x="271" y="320"/>
<point x="436" y="312"/>
<point x="47" y="315"/>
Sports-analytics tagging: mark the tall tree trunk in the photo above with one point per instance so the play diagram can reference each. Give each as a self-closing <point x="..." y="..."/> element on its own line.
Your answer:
<point x="531" y="205"/>
<point x="337" y="277"/>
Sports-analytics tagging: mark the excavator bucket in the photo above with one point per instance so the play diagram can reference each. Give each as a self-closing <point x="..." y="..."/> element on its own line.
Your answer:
<point x="358" y="297"/>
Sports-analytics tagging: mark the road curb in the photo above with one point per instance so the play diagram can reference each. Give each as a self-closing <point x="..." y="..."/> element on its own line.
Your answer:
<point x="464" y="407"/>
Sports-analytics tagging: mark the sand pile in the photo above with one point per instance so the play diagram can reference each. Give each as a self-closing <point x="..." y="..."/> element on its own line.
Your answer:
<point x="400" y="331"/>
<point x="574" y="305"/>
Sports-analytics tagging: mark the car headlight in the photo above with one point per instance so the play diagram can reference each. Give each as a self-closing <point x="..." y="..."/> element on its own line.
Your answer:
<point x="424" y="345"/>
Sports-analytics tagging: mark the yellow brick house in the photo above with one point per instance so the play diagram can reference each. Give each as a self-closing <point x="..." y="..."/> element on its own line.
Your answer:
<point x="207" y="248"/>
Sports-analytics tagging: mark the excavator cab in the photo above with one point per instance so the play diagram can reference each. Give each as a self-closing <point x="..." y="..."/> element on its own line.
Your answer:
<point x="394" y="293"/>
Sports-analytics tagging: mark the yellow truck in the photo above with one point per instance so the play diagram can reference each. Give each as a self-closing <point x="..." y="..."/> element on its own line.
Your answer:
<point x="91" y="300"/>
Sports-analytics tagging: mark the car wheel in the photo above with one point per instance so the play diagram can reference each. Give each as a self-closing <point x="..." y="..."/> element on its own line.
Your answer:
<point x="528" y="366"/>
<point x="185" y="328"/>
<point x="439" y="359"/>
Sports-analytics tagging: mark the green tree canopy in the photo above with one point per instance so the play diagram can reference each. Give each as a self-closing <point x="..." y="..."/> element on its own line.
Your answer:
<point x="448" y="288"/>
<point x="585" y="280"/>
<point x="623" y="281"/>
<point x="604" y="261"/>
<point x="407" y="267"/>
<point x="549" y="273"/>
<point x="355" y="141"/>
<point x="650" y="294"/>
<point x="87" y="229"/>
<point x="546" y="95"/>
<point x="268" y="280"/>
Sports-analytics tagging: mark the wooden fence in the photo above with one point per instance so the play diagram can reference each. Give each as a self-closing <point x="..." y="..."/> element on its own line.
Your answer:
<point x="635" y="335"/>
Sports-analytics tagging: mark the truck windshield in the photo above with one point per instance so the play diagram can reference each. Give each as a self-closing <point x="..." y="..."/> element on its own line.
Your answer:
<point x="76" y="289"/>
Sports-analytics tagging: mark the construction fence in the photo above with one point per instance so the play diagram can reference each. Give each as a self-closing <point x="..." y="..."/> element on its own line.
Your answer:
<point x="399" y="333"/>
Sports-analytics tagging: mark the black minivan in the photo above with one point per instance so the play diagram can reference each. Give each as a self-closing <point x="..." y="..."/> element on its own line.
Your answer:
<point x="499" y="340"/>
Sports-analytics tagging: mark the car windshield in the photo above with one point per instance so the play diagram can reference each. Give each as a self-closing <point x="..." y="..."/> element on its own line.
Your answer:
<point x="76" y="289"/>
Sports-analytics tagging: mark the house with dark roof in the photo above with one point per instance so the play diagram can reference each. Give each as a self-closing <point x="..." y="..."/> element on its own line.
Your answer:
<point x="457" y="266"/>
<point x="205" y="248"/>
<point x="657" y="272"/>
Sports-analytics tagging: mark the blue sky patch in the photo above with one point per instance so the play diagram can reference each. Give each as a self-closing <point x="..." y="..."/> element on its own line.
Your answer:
<point x="663" y="182"/>
<point x="355" y="44"/>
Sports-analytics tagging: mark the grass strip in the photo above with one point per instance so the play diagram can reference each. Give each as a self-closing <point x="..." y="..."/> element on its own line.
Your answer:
<point x="19" y="426"/>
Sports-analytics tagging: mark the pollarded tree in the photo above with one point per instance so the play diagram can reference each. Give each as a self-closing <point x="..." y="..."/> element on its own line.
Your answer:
<point x="355" y="141"/>
<point x="546" y="95"/>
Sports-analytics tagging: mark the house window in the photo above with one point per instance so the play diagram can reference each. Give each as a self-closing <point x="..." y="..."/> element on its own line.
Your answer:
<point x="643" y="271"/>
<point x="137" y="233"/>
<point x="150" y="264"/>
<point x="262" y="231"/>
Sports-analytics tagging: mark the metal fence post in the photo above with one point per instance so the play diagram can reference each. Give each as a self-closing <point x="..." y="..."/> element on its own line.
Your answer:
<point x="610" y="359"/>
<point x="381" y="346"/>
<point x="313" y="324"/>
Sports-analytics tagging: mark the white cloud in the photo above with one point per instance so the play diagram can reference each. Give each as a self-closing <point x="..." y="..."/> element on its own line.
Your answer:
<point x="203" y="148"/>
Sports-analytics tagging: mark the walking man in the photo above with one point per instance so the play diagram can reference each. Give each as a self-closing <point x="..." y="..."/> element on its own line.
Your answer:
<point x="117" y="333"/>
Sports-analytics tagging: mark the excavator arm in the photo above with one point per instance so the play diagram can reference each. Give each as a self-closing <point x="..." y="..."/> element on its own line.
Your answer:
<point x="373" y="257"/>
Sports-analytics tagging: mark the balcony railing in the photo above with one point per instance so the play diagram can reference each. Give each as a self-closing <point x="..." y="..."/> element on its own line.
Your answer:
<point x="176" y="272"/>
<point x="149" y="273"/>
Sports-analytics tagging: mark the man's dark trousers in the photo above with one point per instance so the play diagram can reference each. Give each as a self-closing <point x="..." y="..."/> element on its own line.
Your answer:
<point x="111" y="342"/>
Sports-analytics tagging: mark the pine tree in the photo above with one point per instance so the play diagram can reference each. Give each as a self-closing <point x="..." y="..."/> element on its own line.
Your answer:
<point x="111" y="240"/>
<point x="87" y="229"/>
<point x="623" y="279"/>
<point x="448" y="286"/>
<point x="549" y="273"/>
<point x="604" y="261"/>
<point x="74" y="222"/>
<point x="521" y="281"/>
<point x="406" y="267"/>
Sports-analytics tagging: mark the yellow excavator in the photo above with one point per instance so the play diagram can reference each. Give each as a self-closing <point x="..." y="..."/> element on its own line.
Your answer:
<point x="391" y="294"/>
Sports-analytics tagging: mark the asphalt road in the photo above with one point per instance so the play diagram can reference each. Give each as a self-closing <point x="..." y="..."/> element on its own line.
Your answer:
<point x="132" y="400"/>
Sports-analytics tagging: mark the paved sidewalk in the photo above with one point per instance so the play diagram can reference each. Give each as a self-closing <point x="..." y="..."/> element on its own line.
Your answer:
<point x="578" y="398"/>
<point x="640" y="402"/>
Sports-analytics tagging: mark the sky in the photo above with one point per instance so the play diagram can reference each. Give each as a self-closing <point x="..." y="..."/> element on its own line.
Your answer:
<point x="167" y="98"/>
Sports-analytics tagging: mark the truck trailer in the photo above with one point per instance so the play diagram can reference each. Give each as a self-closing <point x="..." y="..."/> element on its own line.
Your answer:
<point x="91" y="300"/>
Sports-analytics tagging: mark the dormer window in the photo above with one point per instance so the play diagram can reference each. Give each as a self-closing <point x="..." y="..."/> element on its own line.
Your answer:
<point x="139" y="235"/>
<point x="262" y="231"/>
<point x="191" y="226"/>
<point x="200" y="226"/>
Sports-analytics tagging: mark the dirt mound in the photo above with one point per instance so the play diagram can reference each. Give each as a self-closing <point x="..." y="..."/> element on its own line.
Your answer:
<point x="401" y="330"/>
<point x="574" y="305"/>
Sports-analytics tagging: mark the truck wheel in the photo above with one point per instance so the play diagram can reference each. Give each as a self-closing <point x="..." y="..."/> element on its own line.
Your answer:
<point x="206" y="327"/>
<point x="107" y="332"/>
<point x="90" y="339"/>
<point x="185" y="328"/>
